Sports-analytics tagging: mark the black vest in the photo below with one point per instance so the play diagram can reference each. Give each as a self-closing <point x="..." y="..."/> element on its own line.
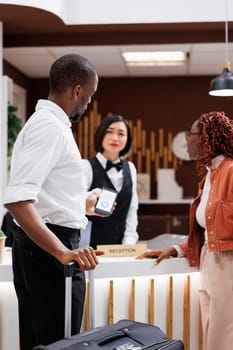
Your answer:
<point x="110" y="230"/>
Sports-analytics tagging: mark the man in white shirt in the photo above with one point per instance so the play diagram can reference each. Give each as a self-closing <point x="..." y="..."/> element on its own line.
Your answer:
<point x="47" y="198"/>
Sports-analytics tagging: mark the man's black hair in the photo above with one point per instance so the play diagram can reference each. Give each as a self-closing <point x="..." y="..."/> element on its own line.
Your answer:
<point x="70" y="70"/>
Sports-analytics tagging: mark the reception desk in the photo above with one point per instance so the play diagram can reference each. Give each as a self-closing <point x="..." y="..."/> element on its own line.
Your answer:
<point x="165" y="295"/>
<point x="9" y="333"/>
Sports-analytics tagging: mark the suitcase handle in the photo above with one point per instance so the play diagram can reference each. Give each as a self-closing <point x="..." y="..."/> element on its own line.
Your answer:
<point x="70" y="268"/>
<point x="110" y="337"/>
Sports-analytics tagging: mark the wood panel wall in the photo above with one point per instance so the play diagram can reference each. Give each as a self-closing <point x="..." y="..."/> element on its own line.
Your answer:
<point x="168" y="103"/>
<point x="130" y="290"/>
<point x="151" y="149"/>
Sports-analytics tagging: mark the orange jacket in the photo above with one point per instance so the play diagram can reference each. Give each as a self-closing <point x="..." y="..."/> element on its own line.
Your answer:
<point x="218" y="214"/>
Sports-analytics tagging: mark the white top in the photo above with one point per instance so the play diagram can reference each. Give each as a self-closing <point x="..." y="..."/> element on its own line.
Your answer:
<point x="116" y="177"/>
<point x="47" y="168"/>
<point x="200" y="211"/>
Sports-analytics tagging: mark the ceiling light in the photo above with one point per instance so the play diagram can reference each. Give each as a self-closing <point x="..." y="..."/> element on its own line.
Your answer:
<point x="222" y="85"/>
<point x="155" y="58"/>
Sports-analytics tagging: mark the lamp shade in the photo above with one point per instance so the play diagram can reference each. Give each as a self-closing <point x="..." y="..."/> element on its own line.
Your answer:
<point x="222" y="85"/>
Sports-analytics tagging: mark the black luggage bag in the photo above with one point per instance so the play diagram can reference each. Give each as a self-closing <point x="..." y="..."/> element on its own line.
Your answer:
<point x="122" y="335"/>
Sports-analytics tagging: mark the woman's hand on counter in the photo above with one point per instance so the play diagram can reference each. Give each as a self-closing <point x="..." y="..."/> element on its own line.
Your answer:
<point x="158" y="254"/>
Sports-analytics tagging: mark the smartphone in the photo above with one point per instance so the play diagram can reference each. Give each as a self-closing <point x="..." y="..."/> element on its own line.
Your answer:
<point x="105" y="202"/>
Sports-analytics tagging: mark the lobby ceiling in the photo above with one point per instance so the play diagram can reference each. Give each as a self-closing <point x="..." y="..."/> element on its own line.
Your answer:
<point x="34" y="38"/>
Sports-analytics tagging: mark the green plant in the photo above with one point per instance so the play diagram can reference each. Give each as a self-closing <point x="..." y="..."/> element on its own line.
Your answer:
<point x="14" y="127"/>
<point x="2" y="234"/>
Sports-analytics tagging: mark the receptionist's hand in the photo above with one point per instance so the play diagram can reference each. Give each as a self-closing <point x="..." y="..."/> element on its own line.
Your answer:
<point x="158" y="254"/>
<point x="91" y="200"/>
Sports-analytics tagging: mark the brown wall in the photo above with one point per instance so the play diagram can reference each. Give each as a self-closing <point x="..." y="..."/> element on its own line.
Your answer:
<point x="171" y="103"/>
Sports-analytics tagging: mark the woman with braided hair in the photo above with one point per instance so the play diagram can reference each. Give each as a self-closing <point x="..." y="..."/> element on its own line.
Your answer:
<point x="210" y="241"/>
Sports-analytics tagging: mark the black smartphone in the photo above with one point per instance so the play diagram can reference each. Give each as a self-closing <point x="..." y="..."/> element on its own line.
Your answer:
<point x="105" y="202"/>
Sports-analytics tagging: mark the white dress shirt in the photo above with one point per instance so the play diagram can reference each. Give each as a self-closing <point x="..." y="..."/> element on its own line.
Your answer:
<point x="47" y="168"/>
<point x="116" y="177"/>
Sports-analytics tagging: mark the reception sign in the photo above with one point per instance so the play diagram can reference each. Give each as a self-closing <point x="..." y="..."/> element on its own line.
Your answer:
<point x="115" y="250"/>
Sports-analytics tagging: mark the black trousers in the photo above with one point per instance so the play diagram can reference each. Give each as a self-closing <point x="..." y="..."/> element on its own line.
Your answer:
<point x="40" y="287"/>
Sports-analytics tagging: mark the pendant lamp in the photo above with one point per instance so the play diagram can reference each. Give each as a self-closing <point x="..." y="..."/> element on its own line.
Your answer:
<point x="222" y="85"/>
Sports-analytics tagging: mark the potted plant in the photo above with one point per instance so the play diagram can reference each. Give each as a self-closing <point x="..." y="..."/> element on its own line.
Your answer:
<point x="14" y="127"/>
<point x="2" y="234"/>
<point x="2" y="244"/>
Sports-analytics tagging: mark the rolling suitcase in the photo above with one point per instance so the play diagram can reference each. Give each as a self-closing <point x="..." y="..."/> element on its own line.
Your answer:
<point x="122" y="335"/>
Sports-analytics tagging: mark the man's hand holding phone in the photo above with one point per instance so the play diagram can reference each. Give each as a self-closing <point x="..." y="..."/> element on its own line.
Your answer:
<point x="106" y="202"/>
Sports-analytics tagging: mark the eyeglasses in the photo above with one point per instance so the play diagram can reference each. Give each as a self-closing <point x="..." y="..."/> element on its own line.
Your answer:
<point x="190" y="133"/>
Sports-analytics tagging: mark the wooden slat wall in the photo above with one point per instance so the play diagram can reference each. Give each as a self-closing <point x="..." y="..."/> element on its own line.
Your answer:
<point x="151" y="302"/>
<point x="151" y="307"/>
<point x="87" y="322"/>
<point x="186" y="334"/>
<point x="110" y="302"/>
<point x="132" y="300"/>
<point x="169" y="325"/>
<point x="152" y="149"/>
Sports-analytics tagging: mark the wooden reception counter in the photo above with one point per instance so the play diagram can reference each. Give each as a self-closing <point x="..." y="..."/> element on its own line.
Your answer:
<point x="9" y="334"/>
<point x="165" y="295"/>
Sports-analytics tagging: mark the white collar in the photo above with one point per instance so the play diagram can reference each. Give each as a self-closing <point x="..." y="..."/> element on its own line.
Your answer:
<point x="216" y="161"/>
<point x="57" y="110"/>
<point x="103" y="161"/>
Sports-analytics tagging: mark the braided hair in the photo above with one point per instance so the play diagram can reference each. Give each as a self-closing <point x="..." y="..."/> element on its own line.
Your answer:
<point x="216" y="138"/>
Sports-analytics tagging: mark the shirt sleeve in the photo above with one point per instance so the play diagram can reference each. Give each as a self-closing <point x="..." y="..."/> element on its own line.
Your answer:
<point x="179" y="250"/>
<point x="130" y="234"/>
<point x="88" y="173"/>
<point x="36" y="151"/>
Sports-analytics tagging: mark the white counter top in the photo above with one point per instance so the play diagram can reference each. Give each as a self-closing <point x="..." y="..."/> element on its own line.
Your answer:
<point x="162" y="201"/>
<point x="6" y="274"/>
<point x="124" y="267"/>
<point x="116" y="267"/>
<point x="9" y="333"/>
